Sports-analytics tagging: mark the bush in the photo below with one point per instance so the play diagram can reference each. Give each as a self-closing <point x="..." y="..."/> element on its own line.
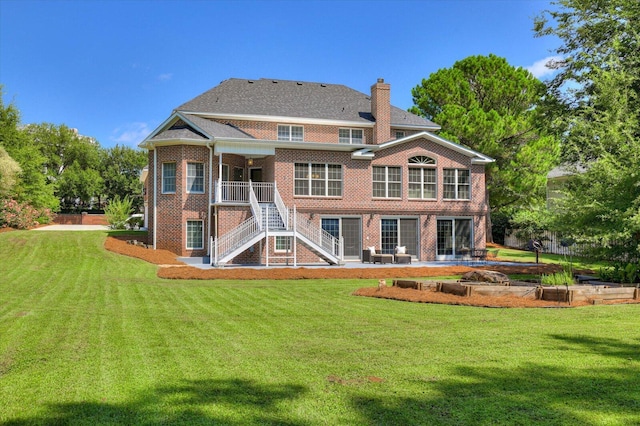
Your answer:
<point x="118" y="211"/>
<point x="14" y="214"/>
<point x="621" y="273"/>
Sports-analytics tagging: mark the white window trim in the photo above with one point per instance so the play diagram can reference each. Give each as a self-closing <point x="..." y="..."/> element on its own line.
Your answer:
<point x="186" y="238"/>
<point x="187" y="180"/>
<point x="326" y="180"/>
<point x="290" y="126"/>
<point x="351" y="135"/>
<point x="386" y="183"/>
<point x="457" y="185"/>
<point x="275" y="245"/>
<point x="422" y="169"/>
<point x="223" y="177"/>
<point x="175" y="178"/>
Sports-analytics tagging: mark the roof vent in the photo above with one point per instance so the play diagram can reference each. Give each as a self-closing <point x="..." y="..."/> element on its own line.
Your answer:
<point x="275" y="81"/>
<point x="323" y="85"/>
<point x="299" y="83"/>
<point x="250" y="81"/>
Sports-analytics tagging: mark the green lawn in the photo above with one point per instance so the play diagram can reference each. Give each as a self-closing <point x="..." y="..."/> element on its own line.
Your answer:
<point x="91" y="337"/>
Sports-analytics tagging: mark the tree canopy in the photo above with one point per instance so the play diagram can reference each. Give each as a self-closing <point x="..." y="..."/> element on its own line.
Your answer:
<point x="598" y="93"/>
<point x="490" y="106"/>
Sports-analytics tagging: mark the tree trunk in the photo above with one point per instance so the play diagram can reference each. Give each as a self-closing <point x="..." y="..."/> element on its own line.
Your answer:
<point x="489" y="230"/>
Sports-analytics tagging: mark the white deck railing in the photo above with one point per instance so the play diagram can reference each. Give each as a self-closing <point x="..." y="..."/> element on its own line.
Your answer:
<point x="277" y="218"/>
<point x="238" y="192"/>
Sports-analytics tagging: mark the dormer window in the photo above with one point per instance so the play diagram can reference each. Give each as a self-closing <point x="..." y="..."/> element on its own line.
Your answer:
<point x="399" y="134"/>
<point x="290" y="133"/>
<point x="351" y="136"/>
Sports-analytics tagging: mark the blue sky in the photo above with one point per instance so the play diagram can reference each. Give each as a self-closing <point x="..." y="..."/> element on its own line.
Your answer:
<point x="115" y="69"/>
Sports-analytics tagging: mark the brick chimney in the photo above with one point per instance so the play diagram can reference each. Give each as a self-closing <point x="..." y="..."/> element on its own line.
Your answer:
<point x="381" y="110"/>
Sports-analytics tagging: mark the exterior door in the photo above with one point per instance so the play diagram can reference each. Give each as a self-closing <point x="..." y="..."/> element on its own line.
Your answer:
<point x="255" y="175"/>
<point x="351" y="232"/>
<point x="399" y="232"/>
<point x="349" y="229"/>
<point x="454" y="236"/>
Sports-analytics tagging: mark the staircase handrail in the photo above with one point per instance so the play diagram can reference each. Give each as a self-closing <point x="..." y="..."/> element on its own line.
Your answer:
<point x="232" y="239"/>
<point x="282" y="208"/>
<point x="318" y="236"/>
<point x="255" y="206"/>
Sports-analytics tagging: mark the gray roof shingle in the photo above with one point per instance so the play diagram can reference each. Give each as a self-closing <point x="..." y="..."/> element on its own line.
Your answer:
<point x="287" y="98"/>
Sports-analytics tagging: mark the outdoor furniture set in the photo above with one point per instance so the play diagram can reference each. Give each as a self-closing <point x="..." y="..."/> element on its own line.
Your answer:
<point x="372" y="255"/>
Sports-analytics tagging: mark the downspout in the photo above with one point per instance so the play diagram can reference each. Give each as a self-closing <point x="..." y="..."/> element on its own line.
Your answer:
<point x="155" y="196"/>
<point x="210" y="199"/>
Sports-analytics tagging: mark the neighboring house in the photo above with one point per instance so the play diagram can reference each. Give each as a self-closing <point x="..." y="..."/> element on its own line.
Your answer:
<point x="557" y="180"/>
<point x="273" y="171"/>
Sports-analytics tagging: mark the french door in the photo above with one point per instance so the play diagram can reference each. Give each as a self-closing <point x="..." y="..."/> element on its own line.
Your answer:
<point x="454" y="236"/>
<point x="399" y="232"/>
<point x="350" y="229"/>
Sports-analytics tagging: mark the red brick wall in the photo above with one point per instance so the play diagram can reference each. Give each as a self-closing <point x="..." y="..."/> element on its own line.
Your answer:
<point x="80" y="219"/>
<point x="381" y="110"/>
<point x="175" y="209"/>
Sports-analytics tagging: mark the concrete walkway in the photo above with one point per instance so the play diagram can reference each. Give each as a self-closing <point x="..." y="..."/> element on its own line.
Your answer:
<point x="203" y="263"/>
<point x="72" y="228"/>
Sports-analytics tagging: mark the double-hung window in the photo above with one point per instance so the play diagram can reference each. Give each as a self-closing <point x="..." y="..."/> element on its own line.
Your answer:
<point x="195" y="178"/>
<point x="320" y="180"/>
<point x="350" y="136"/>
<point x="287" y="132"/>
<point x="168" y="178"/>
<point x="195" y="238"/>
<point x="456" y="184"/>
<point x="422" y="183"/>
<point x="387" y="182"/>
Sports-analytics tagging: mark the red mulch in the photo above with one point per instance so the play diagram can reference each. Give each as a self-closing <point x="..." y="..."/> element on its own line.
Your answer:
<point x="174" y="269"/>
<point x="427" y="296"/>
<point x="159" y="257"/>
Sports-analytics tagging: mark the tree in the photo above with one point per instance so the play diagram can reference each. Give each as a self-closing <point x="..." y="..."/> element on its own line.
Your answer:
<point x="598" y="88"/>
<point x="9" y="172"/>
<point x="120" y="170"/>
<point x="31" y="187"/>
<point x="72" y="161"/>
<point x="490" y="106"/>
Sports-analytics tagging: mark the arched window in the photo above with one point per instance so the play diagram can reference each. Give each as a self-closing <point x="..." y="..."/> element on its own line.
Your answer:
<point x="422" y="160"/>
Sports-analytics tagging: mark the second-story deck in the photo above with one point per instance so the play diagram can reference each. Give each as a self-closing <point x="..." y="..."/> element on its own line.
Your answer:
<point x="228" y="192"/>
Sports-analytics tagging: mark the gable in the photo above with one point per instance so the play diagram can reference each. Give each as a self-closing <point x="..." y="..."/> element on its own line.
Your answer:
<point x="448" y="148"/>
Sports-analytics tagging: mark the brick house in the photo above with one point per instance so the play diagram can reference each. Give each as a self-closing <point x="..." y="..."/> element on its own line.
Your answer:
<point x="272" y="171"/>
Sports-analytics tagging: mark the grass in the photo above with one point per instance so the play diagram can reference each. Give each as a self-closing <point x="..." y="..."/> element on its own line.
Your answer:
<point x="513" y="255"/>
<point x="91" y="337"/>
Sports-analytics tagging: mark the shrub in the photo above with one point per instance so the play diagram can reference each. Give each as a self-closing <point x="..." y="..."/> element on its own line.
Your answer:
<point x="621" y="273"/>
<point x="14" y="214"/>
<point x="118" y="211"/>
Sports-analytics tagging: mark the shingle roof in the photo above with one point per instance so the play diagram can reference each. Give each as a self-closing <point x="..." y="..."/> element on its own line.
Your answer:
<point x="215" y="129"/>
<point x="287" y="98"/>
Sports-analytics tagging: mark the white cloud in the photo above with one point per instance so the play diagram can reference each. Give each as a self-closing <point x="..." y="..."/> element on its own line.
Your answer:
<point x="540" y="69"/>
<point x="130" y="134"/>
<point x="165" y="76"/>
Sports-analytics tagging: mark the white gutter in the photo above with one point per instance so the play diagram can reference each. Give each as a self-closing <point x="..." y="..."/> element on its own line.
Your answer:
<point x="210" y="198"/>
<point x="155" y="196"/>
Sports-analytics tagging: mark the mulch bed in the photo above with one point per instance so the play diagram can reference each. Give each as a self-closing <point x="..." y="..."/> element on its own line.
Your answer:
<point x="426" y="296"/>
<point x="171" y="268"/>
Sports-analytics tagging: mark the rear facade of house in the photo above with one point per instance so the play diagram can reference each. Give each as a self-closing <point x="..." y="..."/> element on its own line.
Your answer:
<point x="274" y="171"/>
